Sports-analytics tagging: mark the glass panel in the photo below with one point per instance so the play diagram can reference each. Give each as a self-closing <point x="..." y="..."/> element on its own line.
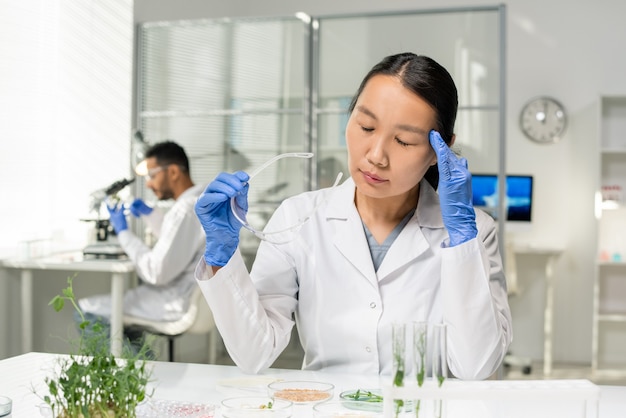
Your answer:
<point x="230" y="91"/>
<point x="182" y="67"/>
<point x="199" y="66"/>
<point x="231" y="143"/>
<point x="478" y="139"/>
<point x="332" y="123"/>
<point x="469" y="48"/>
<point x="331" y="153"/>
<point x="199" y="136"/>
<point x="465" y="43"/>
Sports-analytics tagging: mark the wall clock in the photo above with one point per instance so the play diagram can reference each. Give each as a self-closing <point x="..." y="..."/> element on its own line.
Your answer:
<point x="543" y="120"/>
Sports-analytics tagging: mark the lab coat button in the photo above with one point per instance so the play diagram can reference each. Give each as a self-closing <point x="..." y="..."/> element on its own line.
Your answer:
<point x="373" y="305"/>
<point x="369" y="350"/>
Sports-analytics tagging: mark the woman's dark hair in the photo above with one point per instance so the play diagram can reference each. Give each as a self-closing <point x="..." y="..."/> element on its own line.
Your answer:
<point x="430" y="81"/>
<point x="169" y="152"/>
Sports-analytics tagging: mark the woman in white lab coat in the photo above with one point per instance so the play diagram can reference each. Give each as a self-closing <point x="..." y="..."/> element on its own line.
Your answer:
<point x="383" y="247"/>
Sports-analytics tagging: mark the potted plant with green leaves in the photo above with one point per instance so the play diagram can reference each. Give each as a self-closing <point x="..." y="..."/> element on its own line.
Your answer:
<point x="93" y="383"/>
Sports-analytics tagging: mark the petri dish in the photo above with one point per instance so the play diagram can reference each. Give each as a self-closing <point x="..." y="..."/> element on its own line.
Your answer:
<point x="362" y="399"/>
<point x="6" y="405"/>
<point x="284" y="235"/>
<point x="301" y="392"/>
<point x="159" y="408"/>
<point x="256" y="407"/>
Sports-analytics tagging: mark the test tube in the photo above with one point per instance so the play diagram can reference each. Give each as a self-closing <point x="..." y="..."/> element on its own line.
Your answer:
<point x="398" y="339"/>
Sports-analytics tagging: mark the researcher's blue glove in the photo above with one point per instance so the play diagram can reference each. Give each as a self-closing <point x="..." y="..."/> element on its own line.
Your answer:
<point x="220" y="225"/>
<point x="455" y="192"/>
<point x="117" y="218"/>
<point x="139" y="207"/>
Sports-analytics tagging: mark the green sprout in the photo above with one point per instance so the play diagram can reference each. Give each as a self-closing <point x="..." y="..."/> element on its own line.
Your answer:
<point x="398" y="380"/>
<point x="364" y="395"/>
<point x="93" y="383"/>
<point x="420" y="345"/>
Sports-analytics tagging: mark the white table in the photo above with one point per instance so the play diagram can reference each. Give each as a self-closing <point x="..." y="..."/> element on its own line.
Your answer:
<point x="205" y="383"/>
<point x="120" y="270"/>
<point x="551" y="254"/>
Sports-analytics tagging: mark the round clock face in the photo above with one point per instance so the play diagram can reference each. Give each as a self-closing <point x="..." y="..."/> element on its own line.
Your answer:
<point x="543" y="120"/>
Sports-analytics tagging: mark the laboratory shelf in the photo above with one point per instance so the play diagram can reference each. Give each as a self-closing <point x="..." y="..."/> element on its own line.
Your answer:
<point x="612" y="317"/>
<point x="609" y="372"/>
<point x="609" y="292"/>
<point x="606" y="263"/>
<point x="613" y="151"/>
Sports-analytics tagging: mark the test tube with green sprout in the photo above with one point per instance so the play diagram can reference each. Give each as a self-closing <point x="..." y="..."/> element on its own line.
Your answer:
<point x="398" y="339"/>
<point x="420" y="332"/>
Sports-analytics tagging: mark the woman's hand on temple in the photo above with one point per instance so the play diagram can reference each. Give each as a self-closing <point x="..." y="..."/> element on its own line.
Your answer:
<point x="455" y="192"/>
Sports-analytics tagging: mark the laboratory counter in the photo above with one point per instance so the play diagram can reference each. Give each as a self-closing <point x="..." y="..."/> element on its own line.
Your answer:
<point x="23" y="381"/>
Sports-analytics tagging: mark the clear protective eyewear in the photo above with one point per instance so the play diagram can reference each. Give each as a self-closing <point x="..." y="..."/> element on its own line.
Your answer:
<point x="285" y="235"/>
<point x="151" y="174"/>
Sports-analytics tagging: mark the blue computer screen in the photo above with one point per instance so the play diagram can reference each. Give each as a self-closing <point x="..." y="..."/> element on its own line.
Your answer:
<point x="519" y="195"/>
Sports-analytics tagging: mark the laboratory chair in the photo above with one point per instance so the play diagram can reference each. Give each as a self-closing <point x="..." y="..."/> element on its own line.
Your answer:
<point x="197" y="320"/>
<point x="510" y="360"/>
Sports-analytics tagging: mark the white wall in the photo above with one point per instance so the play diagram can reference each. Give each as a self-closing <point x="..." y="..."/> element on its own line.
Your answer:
<point x="573" y="51"/>
<point x="65" y="113"/>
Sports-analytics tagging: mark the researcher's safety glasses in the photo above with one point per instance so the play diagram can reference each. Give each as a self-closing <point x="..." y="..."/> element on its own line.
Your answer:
<point x="151" y="174"/>
<point x="284" y="235"/>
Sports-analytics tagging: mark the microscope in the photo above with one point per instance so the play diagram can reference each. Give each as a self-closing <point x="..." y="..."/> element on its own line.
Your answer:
<point x="103" y="242"/>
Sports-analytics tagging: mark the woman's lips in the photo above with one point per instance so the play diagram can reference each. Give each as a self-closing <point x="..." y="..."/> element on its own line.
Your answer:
<point x="372" y="178"/>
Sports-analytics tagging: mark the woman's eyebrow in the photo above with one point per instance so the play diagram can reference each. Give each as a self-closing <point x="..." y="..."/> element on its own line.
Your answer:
<point x="404" y="127"/>
<point x="365" y="110"/>
<point x="413" y="129"/>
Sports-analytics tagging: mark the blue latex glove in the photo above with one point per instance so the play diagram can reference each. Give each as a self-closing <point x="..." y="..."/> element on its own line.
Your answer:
<point x="220" y="225"/>
<point x="139" y="207"/>
<point x="455" y="192"/>
<point x="117" y="218"/>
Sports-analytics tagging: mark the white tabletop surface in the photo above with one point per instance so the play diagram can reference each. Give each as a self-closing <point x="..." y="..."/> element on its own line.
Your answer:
<point x="23" y="375"/>
<point x="71" y="260"/>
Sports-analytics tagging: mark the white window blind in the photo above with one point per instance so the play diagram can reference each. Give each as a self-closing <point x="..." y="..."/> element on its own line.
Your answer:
<point x="65" y="114"/>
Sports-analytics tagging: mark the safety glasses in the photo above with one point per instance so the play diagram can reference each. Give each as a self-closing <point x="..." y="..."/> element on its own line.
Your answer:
<point x="151" y="174"/>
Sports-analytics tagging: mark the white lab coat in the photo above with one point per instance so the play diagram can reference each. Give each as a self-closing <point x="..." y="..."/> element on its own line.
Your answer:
<point x="167" y="270"/>
<point x="344" y="309"/>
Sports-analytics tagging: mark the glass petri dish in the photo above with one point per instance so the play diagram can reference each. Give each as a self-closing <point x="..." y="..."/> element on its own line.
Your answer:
<point x="284" y="235"/>
<point x="256" y="407"/>
<point x="363" y="399"/>
<point x="301" y="392"/>
<point x="159" y="408"/>
<point x="6" y="405"/>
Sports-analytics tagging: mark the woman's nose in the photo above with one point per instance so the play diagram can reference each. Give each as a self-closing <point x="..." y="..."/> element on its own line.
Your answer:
<point x="377" y="154"/>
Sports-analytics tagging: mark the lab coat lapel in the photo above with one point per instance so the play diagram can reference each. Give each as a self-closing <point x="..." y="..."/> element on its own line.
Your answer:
<point x="349" y="238"/>
<point x="412" y="243"/>
<point x="409" y="245"/>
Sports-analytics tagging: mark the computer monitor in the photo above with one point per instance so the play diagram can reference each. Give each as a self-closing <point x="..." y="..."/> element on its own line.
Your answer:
<point x="518" y="201"/>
